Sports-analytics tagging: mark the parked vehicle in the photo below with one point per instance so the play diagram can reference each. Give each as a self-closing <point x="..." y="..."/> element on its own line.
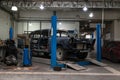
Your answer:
<point x="111" y="51"/>
<point x="66" y="46"/>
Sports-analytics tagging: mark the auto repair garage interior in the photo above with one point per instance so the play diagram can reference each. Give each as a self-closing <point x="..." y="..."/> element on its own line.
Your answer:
<point x="59" y="39"/>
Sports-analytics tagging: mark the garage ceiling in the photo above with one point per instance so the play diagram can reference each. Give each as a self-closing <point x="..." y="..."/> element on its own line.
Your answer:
<point x="57" y="5"/>
<point x="50" y="4"/>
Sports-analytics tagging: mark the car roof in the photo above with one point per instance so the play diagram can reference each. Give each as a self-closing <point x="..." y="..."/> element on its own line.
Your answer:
<point x="46" y="32"/>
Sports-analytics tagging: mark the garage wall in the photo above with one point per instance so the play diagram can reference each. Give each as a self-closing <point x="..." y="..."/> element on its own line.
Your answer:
<point x="36" y="14"/>
<point x="117" y="30"/>
<point x="20" y="27"/>
<point x="15" y="29"/>
<point x="27" y="26"/>
<point x="46" y="25"/>
<point x="32" y="26"/>
<point x="111" y="31"/>
<point x="67" y="14"/>
<point x="4" y="25"/>
<point x="77" y="14"/>
<point x="71" y="15"/>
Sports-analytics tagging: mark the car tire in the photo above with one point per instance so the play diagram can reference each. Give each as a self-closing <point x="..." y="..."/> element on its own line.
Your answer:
<point x="34" y="53"/>
<point x="46" y="55"/>
<point x="113" y="57"/>
<point x="82" y="55"/>
<point x="60" y="53"/>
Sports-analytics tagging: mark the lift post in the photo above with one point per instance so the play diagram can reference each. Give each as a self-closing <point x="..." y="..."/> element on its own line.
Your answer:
<point x="98" y="45"/>
<point x="54" y="62"/>
<point x="27" y="54"/>
<point x="27" y="57"/>
<point x="11" y="33"/>
<point x="53" y="41"/>
<point x="98" y="39"/>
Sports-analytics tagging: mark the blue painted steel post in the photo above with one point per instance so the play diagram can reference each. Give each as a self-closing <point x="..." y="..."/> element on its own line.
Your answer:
<point x="27" y="57"/>
<point x="53" y="41"/>
<point x="11" y="33"/>
<point x="98" y="38"/>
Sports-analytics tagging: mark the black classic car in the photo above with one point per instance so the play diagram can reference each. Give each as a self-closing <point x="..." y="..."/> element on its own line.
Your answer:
<point x="67" y="45"/>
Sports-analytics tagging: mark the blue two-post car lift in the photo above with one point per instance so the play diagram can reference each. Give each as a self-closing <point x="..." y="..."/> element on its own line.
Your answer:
<point x="54" y="62"/>
<point x="98" y="46"/>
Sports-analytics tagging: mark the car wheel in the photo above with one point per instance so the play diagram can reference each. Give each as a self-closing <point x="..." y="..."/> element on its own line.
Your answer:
<point x="60" y="54"/>
<point x="113" y="57"/>
<point x="34" y="53"/>
<point x="82" y="55"/>
<point x="46" y="55"/>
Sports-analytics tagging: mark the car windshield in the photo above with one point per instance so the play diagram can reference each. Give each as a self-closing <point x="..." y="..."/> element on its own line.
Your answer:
<point x="61" y="33"/>
<point x="46" y="33"/>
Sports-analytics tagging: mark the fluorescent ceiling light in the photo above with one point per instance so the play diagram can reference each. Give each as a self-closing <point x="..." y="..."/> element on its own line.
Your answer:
<point x="60" y="23"/>
<point x="14" y="8"/>
<point x="30" y="24"/>
<point x="85" y="8"/>
<point x="91" y="15"/>
<point x="41" y="7"/>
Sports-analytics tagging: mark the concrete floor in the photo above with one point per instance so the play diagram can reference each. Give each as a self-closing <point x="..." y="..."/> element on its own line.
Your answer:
<point x="40" y="71"/>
